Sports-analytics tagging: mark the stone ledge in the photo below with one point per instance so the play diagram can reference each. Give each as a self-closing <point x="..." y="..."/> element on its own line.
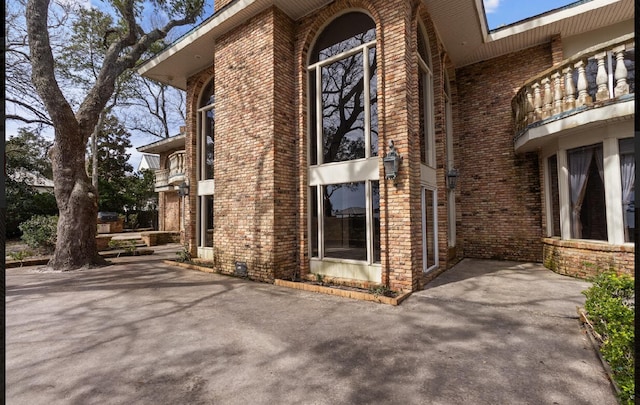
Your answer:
<point x="154" y="238"/>
<point x="588" y="245"/>
<point x="192" y="266"/>
<point x="357" y="295"/>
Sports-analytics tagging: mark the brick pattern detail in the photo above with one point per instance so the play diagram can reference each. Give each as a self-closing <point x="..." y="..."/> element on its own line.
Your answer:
<point x="220" y="4"/>
<point x="500" y="191"/>
<point x="261" y="164"/>
<point x="557" y="53"/>
<point x="587" y="259"/>
<point x="255" y="196"/>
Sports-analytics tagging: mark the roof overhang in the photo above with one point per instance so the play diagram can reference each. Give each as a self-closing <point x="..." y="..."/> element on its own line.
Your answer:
<point x="460" y="24"/>
<point x="194" y="51"/>
<point x="164" y="145"/>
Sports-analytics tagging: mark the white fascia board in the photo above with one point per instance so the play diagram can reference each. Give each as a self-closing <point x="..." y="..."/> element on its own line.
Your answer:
<point x="546" y="19"/>
<point x="215" y="23"/>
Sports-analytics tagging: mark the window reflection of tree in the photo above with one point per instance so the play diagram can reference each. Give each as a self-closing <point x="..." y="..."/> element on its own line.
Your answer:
<point x="345" y="53"/>
<point x="343" y="102"/>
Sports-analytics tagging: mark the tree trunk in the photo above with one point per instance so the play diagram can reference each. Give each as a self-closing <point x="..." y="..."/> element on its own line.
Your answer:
<point x="78" y="205"/>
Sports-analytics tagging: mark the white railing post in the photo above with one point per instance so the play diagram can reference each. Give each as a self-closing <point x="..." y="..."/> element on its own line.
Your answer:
<point x="622" y="87"/>
<point x="557" y="93"/>
<point x="569" y="89"/>
<point x="583" y="94"/>
<point x="537" y="100"/>
<point x="602" y="80"/>
<point x="548" y="98"/>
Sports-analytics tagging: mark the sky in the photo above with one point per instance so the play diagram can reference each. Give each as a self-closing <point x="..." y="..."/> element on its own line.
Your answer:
<point x="505" y="12"/>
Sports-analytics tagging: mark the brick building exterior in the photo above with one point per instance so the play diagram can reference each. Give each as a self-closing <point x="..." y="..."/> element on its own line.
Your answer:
<point x="292" y="106"/>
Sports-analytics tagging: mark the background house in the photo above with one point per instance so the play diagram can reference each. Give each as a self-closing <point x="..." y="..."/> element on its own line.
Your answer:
<point x="170" y="172"/>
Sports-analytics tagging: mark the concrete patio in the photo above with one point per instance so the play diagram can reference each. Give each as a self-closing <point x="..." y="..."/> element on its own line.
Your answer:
<point x="140" y="331"/>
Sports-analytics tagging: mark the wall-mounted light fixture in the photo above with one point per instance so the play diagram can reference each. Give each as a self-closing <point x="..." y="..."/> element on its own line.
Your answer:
<point x="183" y="189"/>
<point x="452" y="178"/>
<point x="391" y="162"/>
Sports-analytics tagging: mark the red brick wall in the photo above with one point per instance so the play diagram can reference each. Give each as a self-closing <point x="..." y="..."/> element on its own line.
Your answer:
<point x="219" y="4"/>
<point x="587" y="259"/>
<point x="287" y="192"/>
<point x="500" y="191"/>
<point x="170" y="211"/>
<point x="254" y="94"/>
<point x="400" y="204"/>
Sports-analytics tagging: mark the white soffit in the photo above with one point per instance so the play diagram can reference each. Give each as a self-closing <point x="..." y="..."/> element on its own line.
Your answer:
<point x="194" y="51"/>
<point x="462" y="26"/>
<point x="163" y="145"/>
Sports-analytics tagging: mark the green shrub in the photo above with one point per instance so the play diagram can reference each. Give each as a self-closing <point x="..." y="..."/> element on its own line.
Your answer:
<point x="39" y="232"/>
<point x="184" y="256"/>
<point x="610" y="306"/>
<point x="20" y="256"/>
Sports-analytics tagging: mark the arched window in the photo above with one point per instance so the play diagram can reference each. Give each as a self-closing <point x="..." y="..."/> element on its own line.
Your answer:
<point x="343" y="91"/>
<point x="205" y="157"/>
<point x="207" y="114"/>
<point x="425" y="100"/>
<point x="344" y="202"/>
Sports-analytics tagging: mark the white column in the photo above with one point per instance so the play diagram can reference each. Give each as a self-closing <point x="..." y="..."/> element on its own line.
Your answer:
<point x="613" y="191"/>
<point x="563" y="191"/>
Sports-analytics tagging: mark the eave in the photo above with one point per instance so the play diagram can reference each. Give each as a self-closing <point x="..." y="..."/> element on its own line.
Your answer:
<point x="460" y="25"/>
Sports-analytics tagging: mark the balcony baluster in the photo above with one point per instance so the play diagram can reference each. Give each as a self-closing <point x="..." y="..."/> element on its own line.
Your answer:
<point x="537" y="101"/>
<point x="569" y="89"/>
<point x="557" y="93"/>
<point x="602" y="80"/>
<point x="583" y="94"/>
<point x="565" y="87"/>
<point x="622" y="87"/>
<point x="548" y="99"/>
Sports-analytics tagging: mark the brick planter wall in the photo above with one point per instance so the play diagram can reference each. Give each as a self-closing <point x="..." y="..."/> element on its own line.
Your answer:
<point x="586" y="259"/>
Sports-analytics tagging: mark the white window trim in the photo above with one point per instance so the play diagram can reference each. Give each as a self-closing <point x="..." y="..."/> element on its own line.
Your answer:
<point x="612" y="186"/>
<point x="316" y="70"/>
<point x="424" y="68"/>
<point x="425" y="250"/>
<point x="358" y="170"/>
<point x="205" y="187"/>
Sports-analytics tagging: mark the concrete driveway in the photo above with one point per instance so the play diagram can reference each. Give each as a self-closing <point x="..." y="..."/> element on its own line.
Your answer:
<point x="142" y="332"/>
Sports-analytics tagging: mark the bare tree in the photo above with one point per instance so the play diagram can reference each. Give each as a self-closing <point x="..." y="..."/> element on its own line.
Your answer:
<point x="156" y="108"/>
<point x="75" y="195"/>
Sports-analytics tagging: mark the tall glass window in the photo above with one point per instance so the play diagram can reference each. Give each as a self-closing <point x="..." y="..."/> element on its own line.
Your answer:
<point x="344" y="203"/>
<point x="343" y="91"/>
<point x="628" y="174"/>
<point x="425" y="101"/>
<point x="205" y="157"/>
<point x="555" y="195"/>
<point x="586" y="189"/>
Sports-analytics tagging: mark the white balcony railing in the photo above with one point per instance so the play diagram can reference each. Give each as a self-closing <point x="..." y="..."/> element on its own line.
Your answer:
<point x="175" y="174"/>
<point x="162" y="178"/>
<point x="177" y="167"/>
<point x="591" y="79"/>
